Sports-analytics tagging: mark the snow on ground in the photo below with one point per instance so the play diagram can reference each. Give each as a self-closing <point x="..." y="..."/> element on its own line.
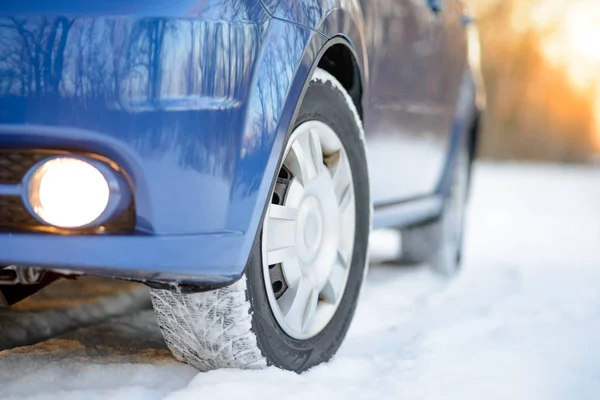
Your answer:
<point x="521" y="322"/>
<point x="65" y="305"/>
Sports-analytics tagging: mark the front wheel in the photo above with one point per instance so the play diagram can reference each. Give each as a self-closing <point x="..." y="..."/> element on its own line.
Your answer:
<point x="294" y="304"/>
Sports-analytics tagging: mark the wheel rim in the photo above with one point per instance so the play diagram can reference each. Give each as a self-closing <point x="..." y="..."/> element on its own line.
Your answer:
<point x="308" y="232"/>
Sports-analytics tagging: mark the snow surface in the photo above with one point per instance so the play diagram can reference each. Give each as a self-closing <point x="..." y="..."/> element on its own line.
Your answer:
<point x="521" y="322"/>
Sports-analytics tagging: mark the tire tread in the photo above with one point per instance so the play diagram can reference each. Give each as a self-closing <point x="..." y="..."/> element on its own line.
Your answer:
<point x="209" y="330"/>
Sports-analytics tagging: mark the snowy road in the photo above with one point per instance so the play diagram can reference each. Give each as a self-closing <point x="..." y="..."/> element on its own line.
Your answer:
<point x="521" y="322"/>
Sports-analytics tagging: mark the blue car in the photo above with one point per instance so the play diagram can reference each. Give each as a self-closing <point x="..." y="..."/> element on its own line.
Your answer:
<point x="234" y="155"/>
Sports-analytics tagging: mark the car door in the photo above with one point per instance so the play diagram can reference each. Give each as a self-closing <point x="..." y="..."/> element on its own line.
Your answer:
<point x="416" y="59"/>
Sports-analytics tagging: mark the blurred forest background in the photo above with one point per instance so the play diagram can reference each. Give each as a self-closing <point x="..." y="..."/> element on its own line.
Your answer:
<point x="541" y="63"/>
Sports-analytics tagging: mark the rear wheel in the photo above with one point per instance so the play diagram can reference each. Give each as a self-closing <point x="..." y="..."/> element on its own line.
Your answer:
<point x="294" y="304"/>
<point x="439" y="242"/>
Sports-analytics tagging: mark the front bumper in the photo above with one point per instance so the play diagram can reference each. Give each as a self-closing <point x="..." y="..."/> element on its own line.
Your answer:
<point x="208" y="260"/>
<point x="191" y="227"/>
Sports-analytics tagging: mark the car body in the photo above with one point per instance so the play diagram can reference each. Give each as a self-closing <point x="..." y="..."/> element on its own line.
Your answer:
<point x="192" y="101"/>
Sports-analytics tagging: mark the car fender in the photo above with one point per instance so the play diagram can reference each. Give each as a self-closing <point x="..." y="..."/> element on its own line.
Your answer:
<point x="331" y="18"/>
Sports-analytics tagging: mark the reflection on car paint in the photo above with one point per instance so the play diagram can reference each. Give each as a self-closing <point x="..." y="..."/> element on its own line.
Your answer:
<point x="194" y="100"/>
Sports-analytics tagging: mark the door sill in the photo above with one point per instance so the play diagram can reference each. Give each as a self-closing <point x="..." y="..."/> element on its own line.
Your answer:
<point x="408" y="212"/>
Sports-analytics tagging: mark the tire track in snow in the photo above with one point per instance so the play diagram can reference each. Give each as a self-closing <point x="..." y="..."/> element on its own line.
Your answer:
<point x="66" y="305"/>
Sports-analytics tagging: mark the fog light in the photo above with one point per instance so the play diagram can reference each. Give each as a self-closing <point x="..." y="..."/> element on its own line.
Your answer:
<point x="68" y="192"/>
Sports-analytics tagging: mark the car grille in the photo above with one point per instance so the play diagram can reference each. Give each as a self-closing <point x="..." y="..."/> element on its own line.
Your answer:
<point x="13" y="213"/>
<point x="14" y="217"/>
<point x="14" y="164"/>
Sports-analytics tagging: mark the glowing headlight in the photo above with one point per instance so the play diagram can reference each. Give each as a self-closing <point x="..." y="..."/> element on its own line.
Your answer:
<point x="68" y="192"/>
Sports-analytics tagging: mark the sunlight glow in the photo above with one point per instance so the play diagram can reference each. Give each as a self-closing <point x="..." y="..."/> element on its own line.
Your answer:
<point x="571" y="41"/>
<point x="575" y="44"/>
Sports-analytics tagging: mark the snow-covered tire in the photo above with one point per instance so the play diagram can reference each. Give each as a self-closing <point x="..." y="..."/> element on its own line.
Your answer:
<point x="209" y="330"/>
<point x="240" y="326"/>
<point x="438" y="242"/>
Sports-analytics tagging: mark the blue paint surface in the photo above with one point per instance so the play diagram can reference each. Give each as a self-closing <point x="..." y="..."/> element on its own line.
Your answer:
<point x="193" y="100"/>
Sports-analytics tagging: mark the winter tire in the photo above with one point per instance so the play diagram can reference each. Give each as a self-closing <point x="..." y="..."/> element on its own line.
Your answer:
<point x="438" y="242"/>
<point x="294" y="304"/>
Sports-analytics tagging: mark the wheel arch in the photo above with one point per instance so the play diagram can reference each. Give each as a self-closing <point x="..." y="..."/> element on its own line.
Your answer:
<point x="475" y="134"/>
<point x="340" y="60"/>
<point x="346" y="23"/>
<point x="464" y="131"/>
<point x="334" y="19"/>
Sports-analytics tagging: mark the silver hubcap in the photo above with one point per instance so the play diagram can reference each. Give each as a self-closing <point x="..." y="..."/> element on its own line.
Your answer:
<point x="308" y="233"/>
